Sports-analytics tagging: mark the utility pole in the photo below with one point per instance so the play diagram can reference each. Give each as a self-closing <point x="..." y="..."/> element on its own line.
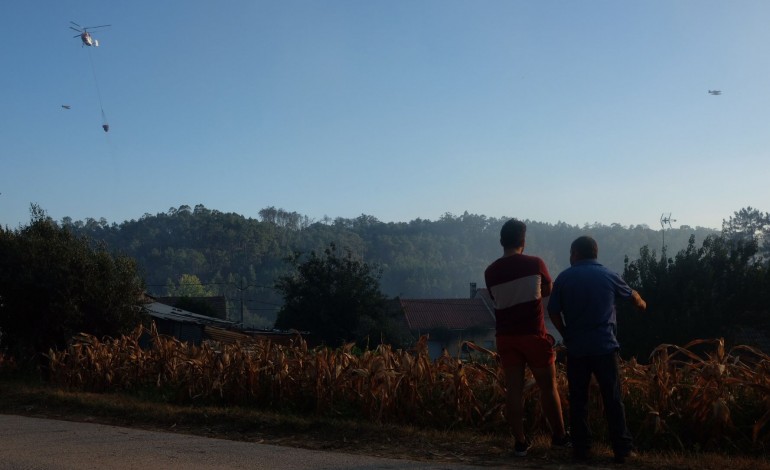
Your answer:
<point x="242" y="288"/>
<point x="241" y="292"/>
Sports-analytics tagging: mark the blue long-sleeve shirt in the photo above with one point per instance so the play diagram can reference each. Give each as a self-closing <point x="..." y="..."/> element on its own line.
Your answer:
<point x="584" y="294"/>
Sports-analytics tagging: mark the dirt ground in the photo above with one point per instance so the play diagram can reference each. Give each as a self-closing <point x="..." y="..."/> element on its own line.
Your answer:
<point x="391" y="441"/>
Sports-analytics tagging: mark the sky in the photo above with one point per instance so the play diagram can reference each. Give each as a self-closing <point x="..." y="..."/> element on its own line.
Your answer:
<point x="551" y="111"/>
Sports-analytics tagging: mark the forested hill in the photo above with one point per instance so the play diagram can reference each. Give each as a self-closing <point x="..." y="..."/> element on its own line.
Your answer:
<point x="241" y="257"/>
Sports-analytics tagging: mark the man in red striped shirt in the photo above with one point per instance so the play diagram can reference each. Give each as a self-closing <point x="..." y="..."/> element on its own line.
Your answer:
<point x="517" y="284"/>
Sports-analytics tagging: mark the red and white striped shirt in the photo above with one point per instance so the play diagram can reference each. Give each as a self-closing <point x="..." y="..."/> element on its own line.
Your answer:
<point x="514" y="282"/>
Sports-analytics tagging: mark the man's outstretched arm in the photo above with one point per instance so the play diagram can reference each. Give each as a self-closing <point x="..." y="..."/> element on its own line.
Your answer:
<point x="638" y="301"/>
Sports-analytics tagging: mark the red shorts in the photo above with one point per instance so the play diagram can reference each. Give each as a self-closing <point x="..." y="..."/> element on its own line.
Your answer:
<point x="535" y="350"/>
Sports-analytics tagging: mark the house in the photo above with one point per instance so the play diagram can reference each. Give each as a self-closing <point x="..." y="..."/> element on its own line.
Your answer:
<point x="450" y="322"/>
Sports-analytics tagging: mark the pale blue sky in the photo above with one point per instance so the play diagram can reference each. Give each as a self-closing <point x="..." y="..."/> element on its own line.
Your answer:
<point x="574" y="111"/>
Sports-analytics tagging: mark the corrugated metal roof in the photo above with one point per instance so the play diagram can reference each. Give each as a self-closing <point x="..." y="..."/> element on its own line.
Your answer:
<point x="225" y="336"/>
<point x="167" y="312"/>
<point x="453" y="314"/>
<point x="284" y="338"/>
<point x="218" y="303"/>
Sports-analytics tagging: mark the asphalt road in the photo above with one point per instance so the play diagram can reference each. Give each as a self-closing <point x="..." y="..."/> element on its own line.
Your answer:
<point x="35" y="443"/>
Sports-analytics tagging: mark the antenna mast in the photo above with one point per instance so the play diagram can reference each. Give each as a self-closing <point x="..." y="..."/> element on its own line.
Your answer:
<point x="665" y="220"/>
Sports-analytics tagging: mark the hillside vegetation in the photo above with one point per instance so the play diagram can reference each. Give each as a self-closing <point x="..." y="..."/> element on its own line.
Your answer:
<point x="241" y="257"/>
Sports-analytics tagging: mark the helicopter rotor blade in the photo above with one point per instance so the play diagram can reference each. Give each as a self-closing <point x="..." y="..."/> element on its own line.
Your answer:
<point x="75" y="29"/>
<point x="94" y="27"/>
<point x="76" y="24"/>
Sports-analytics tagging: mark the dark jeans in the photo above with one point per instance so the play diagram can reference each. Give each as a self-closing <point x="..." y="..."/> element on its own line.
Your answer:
<point x="605" y="369"/>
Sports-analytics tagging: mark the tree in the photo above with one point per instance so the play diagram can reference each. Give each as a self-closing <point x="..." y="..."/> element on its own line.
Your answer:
<point x="749" y="225"/>
<point x="337" y="299"/>
<point x="700" y="293"/>
<point x="189" y="286"/>
<point x="191" y="292"/>
<point x="419" y="259"/>
<point x="54" y="284"/>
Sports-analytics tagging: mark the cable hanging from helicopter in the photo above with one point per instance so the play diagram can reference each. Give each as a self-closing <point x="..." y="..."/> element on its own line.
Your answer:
<point x="89" y="41"/>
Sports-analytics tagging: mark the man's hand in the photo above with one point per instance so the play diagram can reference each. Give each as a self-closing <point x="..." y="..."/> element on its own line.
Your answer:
<point x="638" y="301"/>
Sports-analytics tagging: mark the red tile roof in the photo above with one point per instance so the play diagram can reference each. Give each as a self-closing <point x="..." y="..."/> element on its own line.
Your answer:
<point x="453" y="314"/>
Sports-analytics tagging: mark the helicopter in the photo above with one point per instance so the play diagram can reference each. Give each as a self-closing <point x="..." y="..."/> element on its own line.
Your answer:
<point x="85" y="36"/>
<point x="715" y="92"/>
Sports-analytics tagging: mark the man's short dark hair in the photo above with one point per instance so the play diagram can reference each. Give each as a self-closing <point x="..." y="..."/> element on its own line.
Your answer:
<point x="512" y="234"/>
<point x="585" y="247"/>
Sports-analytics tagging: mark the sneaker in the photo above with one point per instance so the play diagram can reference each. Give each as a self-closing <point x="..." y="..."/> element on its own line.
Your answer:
<point x="624" y="456"/>
<point x="520" y="448"/>
<point x="561" y="443"/>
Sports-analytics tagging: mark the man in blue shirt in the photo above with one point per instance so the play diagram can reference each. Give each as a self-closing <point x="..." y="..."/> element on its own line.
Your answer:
<point x="582" y="307"/>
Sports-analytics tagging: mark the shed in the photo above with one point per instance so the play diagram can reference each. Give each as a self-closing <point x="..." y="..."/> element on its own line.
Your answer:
<point x="181" y="324"/>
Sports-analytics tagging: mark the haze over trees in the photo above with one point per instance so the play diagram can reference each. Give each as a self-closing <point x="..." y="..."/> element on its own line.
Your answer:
<point x="241" y="257"/>
<point x="749" y="225"/>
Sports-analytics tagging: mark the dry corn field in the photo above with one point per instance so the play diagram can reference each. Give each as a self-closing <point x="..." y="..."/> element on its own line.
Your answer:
<point x="699" y="395"/>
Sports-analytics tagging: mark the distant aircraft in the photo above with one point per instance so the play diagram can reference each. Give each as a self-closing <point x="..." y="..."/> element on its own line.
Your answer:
<point x="87" y="40"/>
<point x="66" y="106"/>
<point x="715" y="92"/>
<point x="85" y="36"/>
